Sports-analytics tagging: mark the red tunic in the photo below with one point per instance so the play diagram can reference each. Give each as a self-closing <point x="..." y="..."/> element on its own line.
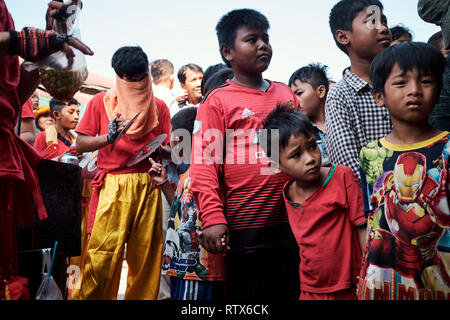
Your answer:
<point x="18" y="160"/>
<point x="27" y="110"/>
<point x="19" y="186"/>
<point x="324" y="227"/>
<point x="95" y="122"/>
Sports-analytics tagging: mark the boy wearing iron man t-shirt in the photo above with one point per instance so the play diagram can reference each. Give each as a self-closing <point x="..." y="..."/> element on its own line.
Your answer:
<point x="240" y="202"/>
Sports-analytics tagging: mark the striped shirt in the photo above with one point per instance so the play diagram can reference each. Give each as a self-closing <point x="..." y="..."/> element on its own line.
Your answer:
<point x="239" y="191"/>
<point x="353" y="119"/>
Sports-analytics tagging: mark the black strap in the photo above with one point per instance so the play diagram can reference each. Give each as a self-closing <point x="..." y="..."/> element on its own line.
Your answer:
<point x="64" y="140"/>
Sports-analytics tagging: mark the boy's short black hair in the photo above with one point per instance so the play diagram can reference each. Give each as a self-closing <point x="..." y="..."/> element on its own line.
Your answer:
<point x="184" y="119"/>
<point x="130" y="62"/>
<point x="209" y="72"/>
<point x="436" y="40"/>
<point x="314" y="73"/>
<point x="160" y="69"/>
<point x="56" y="105"/>
<point x="217" y="79"/>
<point x="182" y="72"/>
<point x="289" y="121"/>
<point x="407" y="55"/>
<point x="398" y="31"/>
<point x="344" y="12"/>
<point x="233" y="20"/>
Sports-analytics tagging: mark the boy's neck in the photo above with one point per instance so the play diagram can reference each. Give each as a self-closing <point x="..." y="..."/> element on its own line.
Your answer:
<point x="319" y="118"/>
<point x="252" y="81"/>
<point x="63" y="131"/>
<point x="301" y="190"/>
<point x="405" y="133"/>
<point x="360" y="67"/>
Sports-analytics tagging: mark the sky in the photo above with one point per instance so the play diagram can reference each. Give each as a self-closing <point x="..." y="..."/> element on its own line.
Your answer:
<point x="184" y="31"/>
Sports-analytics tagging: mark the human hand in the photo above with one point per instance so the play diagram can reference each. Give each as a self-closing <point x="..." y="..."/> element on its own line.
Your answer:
<point x="113" y="131"/>
<point x="215" y="238"/>
<point x="157" y="172"/>
<point x="57" y="10"/>
<point x="34" y="44"/>
<point x="183" y="97"/>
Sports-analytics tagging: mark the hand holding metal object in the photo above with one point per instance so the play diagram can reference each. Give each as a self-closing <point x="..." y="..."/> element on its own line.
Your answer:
<point x="122" y="132"/>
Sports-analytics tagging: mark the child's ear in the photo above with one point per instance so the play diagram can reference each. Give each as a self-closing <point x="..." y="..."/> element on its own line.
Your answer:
<point x="321" y="91"/>
<point x="379" y="98"/>
<point x="342" y="37"/>
<point x="226" y="52"/>
<point x="55" y="115"/>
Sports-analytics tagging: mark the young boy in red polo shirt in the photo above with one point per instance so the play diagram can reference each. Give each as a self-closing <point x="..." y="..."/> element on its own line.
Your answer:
<point x="66" y="116"/>
<point x="324" y="205"/>
<point x="238" y="198"/>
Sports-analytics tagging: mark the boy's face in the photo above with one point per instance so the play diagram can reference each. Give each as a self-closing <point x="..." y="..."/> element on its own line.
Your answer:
<point x="311" y="100"/>
<point x="409" y="96"/>
<point x="252" y="51"/>
<point x="68" y="117"/>
<point x="301" y="158"/>
<point x="367" y="39"/>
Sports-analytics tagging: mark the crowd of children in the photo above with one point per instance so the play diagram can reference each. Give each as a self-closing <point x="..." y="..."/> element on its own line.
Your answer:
<point x="313" y="190"/>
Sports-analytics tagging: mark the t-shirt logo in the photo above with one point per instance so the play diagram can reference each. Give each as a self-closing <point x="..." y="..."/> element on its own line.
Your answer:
<point x="247" y="113"/>
<point x="197" y="126"/>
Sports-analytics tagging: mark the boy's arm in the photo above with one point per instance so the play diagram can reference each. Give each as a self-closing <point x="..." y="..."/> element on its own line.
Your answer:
<point x="341" y="143"/>
<point x="87" y="143"/>
<point x="206" y="162"/>
<point x="356" y="206"/>
<point x="362" y="236"/>
<point x="159" y="176"/>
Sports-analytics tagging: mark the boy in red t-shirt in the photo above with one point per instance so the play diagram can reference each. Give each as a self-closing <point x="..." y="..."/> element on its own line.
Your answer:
<point x="66" y="116"/>
<point x="239" y="199"/>
<point x="324" y="205"/>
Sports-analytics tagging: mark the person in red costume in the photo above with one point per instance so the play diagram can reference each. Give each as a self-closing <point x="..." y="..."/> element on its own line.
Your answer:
<point x="19" y="186"/>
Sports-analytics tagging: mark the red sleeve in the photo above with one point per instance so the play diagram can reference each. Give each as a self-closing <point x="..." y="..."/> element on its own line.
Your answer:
<point x="89" y="124"/>
<point x="355" y="205"/>
<point x="27" y="110"/>
<point x="164" y="119"/>
<point x="40" y="142"/>
<point x="209" y="131"/>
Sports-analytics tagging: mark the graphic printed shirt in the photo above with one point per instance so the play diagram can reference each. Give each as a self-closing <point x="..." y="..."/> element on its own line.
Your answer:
<point x="405" y="189"/>
<point x="183" y="256"/>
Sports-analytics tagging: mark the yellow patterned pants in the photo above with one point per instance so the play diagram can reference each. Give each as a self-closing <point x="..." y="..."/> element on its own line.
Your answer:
<point x="129" y="212"/>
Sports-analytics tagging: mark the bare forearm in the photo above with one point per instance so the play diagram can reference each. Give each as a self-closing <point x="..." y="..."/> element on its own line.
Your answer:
<point x="167" y="189"/>
<point x="28" y="130"/>
<point x="362" y="237"/>
<point x="87" y="144"/>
